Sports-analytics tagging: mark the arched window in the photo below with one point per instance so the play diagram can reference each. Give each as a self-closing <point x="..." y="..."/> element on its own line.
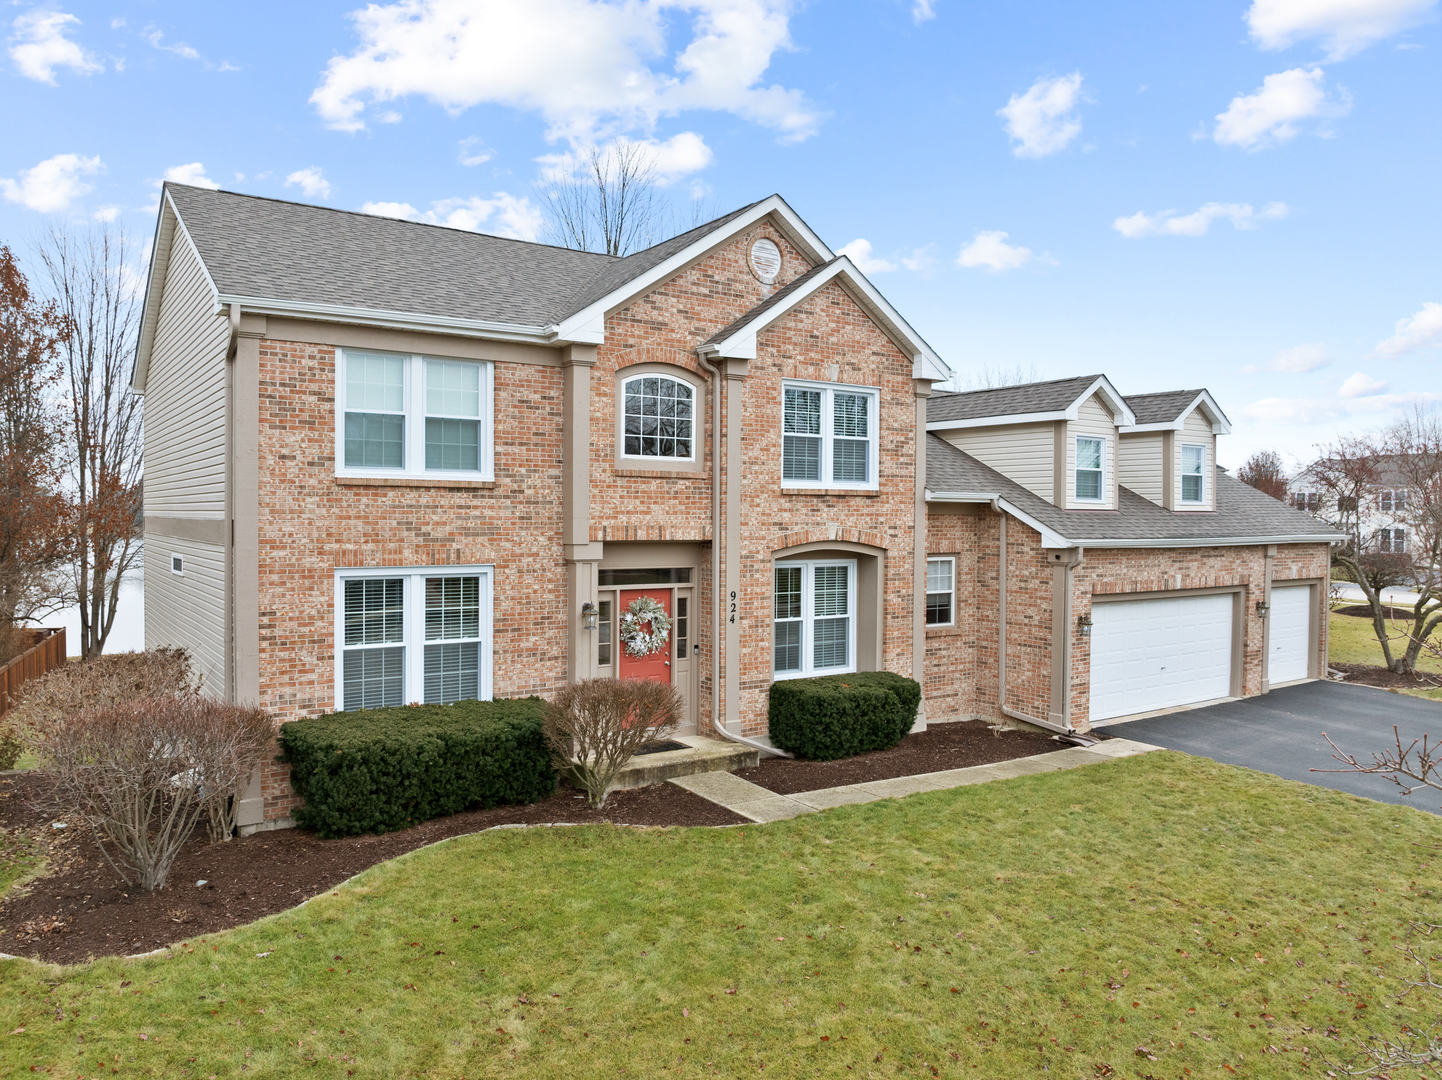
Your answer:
<point x="658" y="418"/>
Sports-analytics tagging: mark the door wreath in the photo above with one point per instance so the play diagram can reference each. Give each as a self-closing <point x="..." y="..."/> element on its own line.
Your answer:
<point x="635" y="637"/>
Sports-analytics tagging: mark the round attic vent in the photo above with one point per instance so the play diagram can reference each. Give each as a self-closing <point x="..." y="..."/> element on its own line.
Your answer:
<point x="766" y="260"/>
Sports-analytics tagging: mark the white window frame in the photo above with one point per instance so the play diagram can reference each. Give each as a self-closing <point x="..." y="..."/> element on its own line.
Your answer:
<point x="1300" y="499"/>
<point x="951" y="560"/>
<point x="413" y="382"/>
<point x="414" y="606"/>
<point x="1201" y="499"/>
<point x="1389" y="540"/>
<point x="1101" y="497"/>
<point x="177" y="564"/>
<point x="621" y="415"/>
<point x="828" y="436"/>
<point x="808" y="617"/>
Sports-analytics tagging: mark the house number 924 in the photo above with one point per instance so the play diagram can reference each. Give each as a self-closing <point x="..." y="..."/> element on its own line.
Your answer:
<point x="733" y="605"/>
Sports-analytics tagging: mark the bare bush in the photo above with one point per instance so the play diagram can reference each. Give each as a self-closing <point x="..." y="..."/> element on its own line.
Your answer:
<point x="142" y="773"/>
<point x="103" y="681"/>
<point x="595" y="726"/>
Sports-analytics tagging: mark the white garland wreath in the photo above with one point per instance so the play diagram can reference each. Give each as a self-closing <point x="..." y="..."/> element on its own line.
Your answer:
<point x="634" y="636"/>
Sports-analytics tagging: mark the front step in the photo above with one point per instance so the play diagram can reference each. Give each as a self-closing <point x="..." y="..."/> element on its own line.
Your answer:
<point x="701" y="755"/>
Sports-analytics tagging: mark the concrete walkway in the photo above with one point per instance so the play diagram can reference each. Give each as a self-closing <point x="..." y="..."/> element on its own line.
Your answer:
<point x="756" y="803"/>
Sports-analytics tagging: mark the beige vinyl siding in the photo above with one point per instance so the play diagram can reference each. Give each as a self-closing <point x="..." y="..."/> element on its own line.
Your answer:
<point x="1140" y="464"/>
<point x="187" y="610"/>
<point x="1196" y="430"/>
<point x="185" y="396"/>
<point x="1093" y="420"/>
<point x="1021" y="452"/>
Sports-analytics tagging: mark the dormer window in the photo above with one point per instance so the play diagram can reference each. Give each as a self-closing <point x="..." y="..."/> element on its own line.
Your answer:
<point x="1194" y="460"/>
<point x="1090" y="457"/>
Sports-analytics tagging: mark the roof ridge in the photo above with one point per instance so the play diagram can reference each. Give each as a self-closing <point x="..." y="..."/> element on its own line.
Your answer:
<point x="1021" y="386"/>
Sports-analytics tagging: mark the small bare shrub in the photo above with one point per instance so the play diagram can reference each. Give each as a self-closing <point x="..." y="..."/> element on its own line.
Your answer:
<point x="141" y="774"/>
<point x="595" y="726"/>
<point x="105" y="680"/>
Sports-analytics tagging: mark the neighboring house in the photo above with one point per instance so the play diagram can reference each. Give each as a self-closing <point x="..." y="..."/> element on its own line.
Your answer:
<point x="389" y="462"/>
<point x="1375" y="520"/>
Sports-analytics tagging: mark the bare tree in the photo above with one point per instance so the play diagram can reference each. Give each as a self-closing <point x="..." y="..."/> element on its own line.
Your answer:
<point x="994" y="378"/>
<point x="1265" y="472"/>
<point x="595" y="726"/>
<point x="610" y="204"/>
<point x="33" y="540"/>
<point x="94" y="286"/>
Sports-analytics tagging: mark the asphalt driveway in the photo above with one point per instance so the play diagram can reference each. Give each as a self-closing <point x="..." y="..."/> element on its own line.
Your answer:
<point x="1281" y="733"/>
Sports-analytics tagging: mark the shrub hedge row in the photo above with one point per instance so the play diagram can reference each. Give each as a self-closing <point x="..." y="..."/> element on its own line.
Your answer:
<point x="836" y="716"/>
<point x="384" y="769"/>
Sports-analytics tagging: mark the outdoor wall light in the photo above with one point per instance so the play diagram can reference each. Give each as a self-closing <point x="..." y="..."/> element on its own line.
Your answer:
<point x="1084" y="625"/>
<point x="1263" y="610"/>
<point x="588" y="616"/>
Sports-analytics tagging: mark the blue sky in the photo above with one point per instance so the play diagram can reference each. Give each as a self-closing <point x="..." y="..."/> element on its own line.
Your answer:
<point x="1240" y="195"/>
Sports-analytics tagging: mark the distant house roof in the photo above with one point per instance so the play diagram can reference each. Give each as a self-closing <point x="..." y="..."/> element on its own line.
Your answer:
<point x="1169" y="408"/>
<point x="1243" y="515"/>
<point x="1039" y="401"/>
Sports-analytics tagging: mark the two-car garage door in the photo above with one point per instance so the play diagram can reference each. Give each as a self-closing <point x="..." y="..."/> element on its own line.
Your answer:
<point x="1169" y="651"/>
<point x="1154" y="654"/>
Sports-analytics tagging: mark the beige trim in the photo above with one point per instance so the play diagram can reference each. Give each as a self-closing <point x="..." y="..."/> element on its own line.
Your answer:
<point x="644" y="554"/>
<point x="1239" y="615"/>
<point x="694" y="467"/>
<point x="413" y="482"/>
<point x="202" y="530"/>
<point x="1269" y="554"/>
<point x="736" y="371"/>
<point x="870" y="594"/>
<point x="1058" y="464"/>
<point x="1169" y="470"/>
<point x="246" y="510"/>
<point x="921" y="388"/>
<point x="342" y="335"/>
<point x="581" y="570"/>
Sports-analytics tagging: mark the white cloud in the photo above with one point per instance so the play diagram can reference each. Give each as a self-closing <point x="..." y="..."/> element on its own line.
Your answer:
<point x="310" y="181"/>
<point x="670" y="161"/>
<point x="502" y="214"/>
<point x="1170" y="223"/>
<point x="1322" y="410"/>
<point x="921" y="259"/>
<point x="1420" y="331"/>
<point x="921" y="10"/>
<point x="991" y="250"/>
<point x="613" y="57"/>
<point x="192" y="174"/>
<point x="473" y="153"/>
<point x="53" y="184"/>
<point x="1041" y="120"/>
<point x="41" y="46"/>
<point x="1345" y="26"/>
<point x="859" y="252"/>
<point x="105" y="213"/>
<point x="180" y="48"/>
<point x="1359" y="385"/>
<point x="1301" y="359"/>
<point x="1270" y="116"/>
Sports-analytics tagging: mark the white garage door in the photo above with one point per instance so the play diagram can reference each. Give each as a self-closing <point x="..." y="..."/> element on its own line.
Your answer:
<point x="1289" y="636"/>
<point x="1154" y="654"/>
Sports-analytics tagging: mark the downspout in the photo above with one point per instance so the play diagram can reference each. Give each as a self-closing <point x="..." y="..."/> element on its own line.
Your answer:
<point x="1016" y="714"/>
<point x="716" y="591"/>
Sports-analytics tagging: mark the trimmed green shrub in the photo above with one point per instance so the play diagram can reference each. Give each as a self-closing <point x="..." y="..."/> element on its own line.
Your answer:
<point x="379" y="770"/>
<point x="836" y="716"/>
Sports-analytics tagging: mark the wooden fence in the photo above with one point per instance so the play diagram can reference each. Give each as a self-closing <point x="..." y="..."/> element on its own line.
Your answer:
<point x="46" y="654"/>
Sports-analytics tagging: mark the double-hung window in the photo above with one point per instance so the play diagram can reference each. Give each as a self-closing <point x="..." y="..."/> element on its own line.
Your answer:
<point x="1194" y="461"/>
<point x="1392" y="501"/>
<point x="408" y="415"/>
<point x="940" y="591"/>
<point x="1393" y="541"/>
<point x="829" y="435"/>
<point x="1090" y="465"/>
<point x="412" y="635"/>
<point x="814" y="618"/>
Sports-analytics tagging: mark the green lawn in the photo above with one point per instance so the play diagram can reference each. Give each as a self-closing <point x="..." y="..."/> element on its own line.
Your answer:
<point x="1352" y="640"/>
<point x="1155" y="916"/>
<point x="20" y="858"/>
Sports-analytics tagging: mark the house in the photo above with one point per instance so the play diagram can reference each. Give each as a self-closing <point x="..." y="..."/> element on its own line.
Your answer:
<point x="388" y="462"/>
<point x="1374" y="518"/>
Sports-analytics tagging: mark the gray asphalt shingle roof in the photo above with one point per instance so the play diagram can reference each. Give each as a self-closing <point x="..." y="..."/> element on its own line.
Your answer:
<point x="1039" y="397"/>
<point x="1242" y="511"/>
<point x="298" y="253"/>
<point x="771" y="301"/>
<point x="1161" y="408"/>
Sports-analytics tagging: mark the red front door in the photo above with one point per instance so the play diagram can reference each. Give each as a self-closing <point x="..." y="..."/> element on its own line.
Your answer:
<point x="657" y="666"/>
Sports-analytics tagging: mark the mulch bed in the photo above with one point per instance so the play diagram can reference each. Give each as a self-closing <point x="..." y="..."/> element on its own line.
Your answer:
<point x="940" y="747"/>
<point x="81" y="909"/>
<point x="1369" y="675"/>
<point x="1364" y="611"/>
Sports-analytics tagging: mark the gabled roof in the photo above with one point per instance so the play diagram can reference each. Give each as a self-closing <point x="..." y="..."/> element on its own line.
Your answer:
<point x="1168" y="411"/>
<point x="1058" y="399"/>
<point x="739" y="339"/>
<point x="275" y="257"/>
<point x="1243" y="515"/>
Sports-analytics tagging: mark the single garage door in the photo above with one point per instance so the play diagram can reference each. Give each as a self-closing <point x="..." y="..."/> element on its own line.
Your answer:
<point x="1154" y="654"/>
<point x="1289" y="637"/>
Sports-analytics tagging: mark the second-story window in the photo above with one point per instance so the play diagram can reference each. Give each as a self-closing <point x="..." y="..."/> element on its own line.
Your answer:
<point x="1392" y="501"/>
<point x="1311" y="501"/>
<point x="828" y="436"/>
<point x="1194" y="459"/>
<point x="658" y="417"/>
<point x="1090" y="454"/>
<point x="414" y="415"/>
